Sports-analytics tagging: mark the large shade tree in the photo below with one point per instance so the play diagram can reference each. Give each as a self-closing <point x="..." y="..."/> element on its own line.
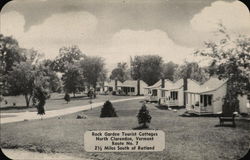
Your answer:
<point x="147" y="68"/>
<point x="93" y="70"/>
<point x="28" y="76"/>
<point x="168" y="70"/>
<point x="72" y="79"/>
<point x="120" y="73"/>
<point x="191" y="70"/>
<point x="10" y="53"/>
<point x="67" y="56"/>
<point x="230" y="59"/>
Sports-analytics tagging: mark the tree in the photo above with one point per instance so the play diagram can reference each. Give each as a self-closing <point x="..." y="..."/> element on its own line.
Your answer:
<point x="168" y="70"/>
<point x="191" y="70"/>
<point x="93" y="70"/>
<point x="108" y="110"/>
<point x="72" y="79"/>
<point x="54" y="81"/>
<point x="10" y="53"/>
<point x="230" y="60"/>
<point x="67" y="56"/>
<point x="120" y="72"/>
<point x="147" y="68"/>
<point x="27" y="76"/>
<point x="67" y="97"/>
<point x="144" y="116"/>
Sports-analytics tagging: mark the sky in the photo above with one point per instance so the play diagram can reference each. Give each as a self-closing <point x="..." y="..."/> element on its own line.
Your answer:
<point x="118" y="29"/>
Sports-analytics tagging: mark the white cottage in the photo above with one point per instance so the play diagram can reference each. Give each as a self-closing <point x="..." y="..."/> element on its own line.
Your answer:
<point x="112" y="85"/>
<point x="173" y="93"/>
<point x="151" y="93"/>
<point x="208" y="98"/>
<point x="132" y="87"/>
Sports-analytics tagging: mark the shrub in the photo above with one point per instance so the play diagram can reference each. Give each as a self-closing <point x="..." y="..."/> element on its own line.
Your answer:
<point x="67" y="97"/>
<point x="144" y="116"/>
<point x="108" y="110"/>
<point x="113" y="92"/>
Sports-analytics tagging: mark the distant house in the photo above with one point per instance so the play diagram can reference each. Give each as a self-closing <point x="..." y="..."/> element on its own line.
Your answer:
<point x="208" y="97"/>
<point x="153" y="93"/>
<point x="112" y="85"/>
<point x="173" y="93"/>
<point x="132" y="87"/>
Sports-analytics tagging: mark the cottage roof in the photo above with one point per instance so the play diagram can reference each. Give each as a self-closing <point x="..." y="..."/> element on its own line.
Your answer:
<point x="156" y="85"/>
<point x="130" y="83"/>
<point x="210" y="85"/>
<point x="169" y="85"/>
<point x="111" y="83"/>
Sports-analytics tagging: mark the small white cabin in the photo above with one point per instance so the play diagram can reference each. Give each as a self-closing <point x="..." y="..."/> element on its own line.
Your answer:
<point x="208" y="98"/>
<point x="151" y="93"/>
<point x="112" y="85"/>
<point x="133" y="87"/>
<point x="173" y="93"/>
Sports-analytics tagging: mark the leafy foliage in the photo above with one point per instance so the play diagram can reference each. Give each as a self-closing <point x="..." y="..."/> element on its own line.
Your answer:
<point x="67" y="97"/>
<point x="230" y="59"/>
<point x="108" y="110"/>
<point x="27" y="77"/>
<point x="168" y="70"/>
<point x="67" y="56"/>
<point x="191" y="70"/>
<point x="93" y="70"/>
<point x="72" y="79"/>
<point x="143" y="116"/>
<point x="120" y="73"/>
<point x="147" y="68"/>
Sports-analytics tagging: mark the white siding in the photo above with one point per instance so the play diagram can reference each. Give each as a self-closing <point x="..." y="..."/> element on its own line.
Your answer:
<point x="217" y="100"/>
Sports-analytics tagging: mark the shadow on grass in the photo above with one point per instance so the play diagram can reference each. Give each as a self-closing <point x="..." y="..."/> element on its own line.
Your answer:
<point x="162" y="107"/>
<point x="74" y="98"/>
<point x="225" y="125"/>
<point x="142" y="127"/>
<point x="15" y="108"/>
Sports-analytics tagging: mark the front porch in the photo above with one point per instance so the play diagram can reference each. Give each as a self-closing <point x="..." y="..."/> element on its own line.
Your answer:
<point x="199" y="103"/>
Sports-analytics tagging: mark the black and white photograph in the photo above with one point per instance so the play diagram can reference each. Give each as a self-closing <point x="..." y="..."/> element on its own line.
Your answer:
<point x="125" y="80"/>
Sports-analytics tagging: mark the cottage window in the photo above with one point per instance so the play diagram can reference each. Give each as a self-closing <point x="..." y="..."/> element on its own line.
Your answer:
<point x="110" y="89"/>
<point x="132" y="89"/>
<point x="210" y="100"/>
<point x="174" y="95"/>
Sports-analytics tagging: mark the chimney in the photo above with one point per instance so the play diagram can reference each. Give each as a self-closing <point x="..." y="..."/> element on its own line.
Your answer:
<point x="162" y="83"/>
<point x="115" y="84"/>
<point x="185" y="88"/>
<point x="138" y="87"/>
<point x="162" y="86"/>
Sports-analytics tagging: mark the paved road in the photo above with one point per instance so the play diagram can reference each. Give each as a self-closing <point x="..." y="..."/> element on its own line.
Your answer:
<point x="21" y="116"/>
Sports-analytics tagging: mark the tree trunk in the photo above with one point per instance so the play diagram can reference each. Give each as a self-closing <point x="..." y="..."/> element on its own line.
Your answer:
<point x="27" y="99"/>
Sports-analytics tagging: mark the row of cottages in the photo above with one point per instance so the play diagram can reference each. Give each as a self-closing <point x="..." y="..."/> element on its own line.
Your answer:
<point x="200" y="98"/>
<point x="208" y="97"/>
<point x="128" y="87"/>
<point x="170" y="93"/>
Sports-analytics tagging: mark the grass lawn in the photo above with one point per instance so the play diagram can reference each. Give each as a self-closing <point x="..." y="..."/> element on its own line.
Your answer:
<point x="186" y="137"/>
<point x="55" y="102"/>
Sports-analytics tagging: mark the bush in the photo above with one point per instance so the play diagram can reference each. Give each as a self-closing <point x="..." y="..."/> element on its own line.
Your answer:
<point x="144" y="116"/>
<point x="108" y="110"/>
<point x="113" y="92"/>
<point x="67" y="97"/>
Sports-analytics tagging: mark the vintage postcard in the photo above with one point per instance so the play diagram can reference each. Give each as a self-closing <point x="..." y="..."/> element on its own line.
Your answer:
<point x="125" y="79"/>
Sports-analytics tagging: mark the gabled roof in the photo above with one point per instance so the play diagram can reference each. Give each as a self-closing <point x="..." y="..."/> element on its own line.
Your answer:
<point x="210" y="85"/>
<point x="156" y="85"/>
<point x="111" y="83"/>
<point x="130" y="83"/>
<point x="169" y="85"/>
